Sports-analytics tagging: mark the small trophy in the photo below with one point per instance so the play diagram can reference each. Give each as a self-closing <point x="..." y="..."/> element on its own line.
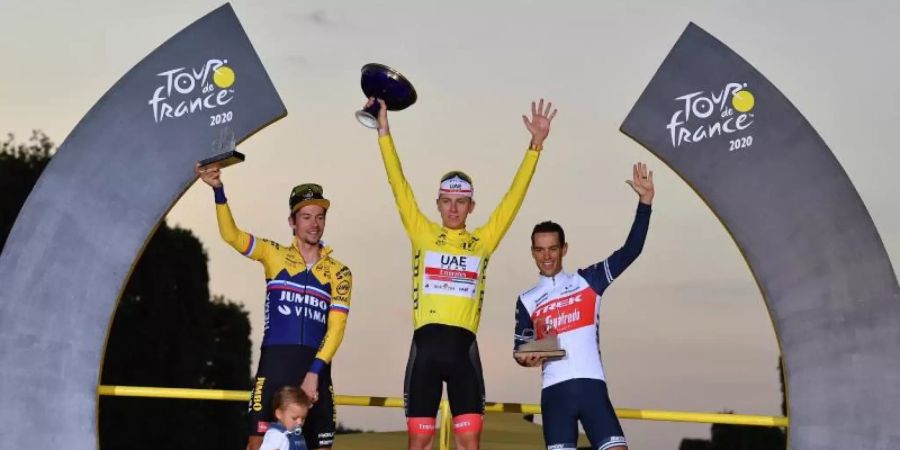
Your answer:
<point x="382" y="82"/>
<point x="223" y="152"/>
<point x="546" y="346"/>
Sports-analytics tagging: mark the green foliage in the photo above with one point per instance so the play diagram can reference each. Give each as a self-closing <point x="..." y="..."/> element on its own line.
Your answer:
<point x="746" y="437"/>
<point x="21" y="163"/>
<point x="695" y="444"/>
<point x="168" y="333"/>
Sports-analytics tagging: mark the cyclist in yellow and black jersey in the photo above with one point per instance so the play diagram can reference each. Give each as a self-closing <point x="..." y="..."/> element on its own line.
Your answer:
<point x="306" y="307"/>
<point x="449" y="264"/>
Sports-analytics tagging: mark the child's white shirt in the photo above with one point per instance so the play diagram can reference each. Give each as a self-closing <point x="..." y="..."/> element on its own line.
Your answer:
<point x="275" y="440"/>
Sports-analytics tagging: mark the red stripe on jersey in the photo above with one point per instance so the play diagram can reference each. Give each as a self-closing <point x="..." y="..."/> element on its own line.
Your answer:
<point x="566" y="313"/>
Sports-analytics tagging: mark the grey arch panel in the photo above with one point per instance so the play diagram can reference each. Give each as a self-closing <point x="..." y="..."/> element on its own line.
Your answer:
<point x="86" y="221"/>
<point x="803" y="229"/>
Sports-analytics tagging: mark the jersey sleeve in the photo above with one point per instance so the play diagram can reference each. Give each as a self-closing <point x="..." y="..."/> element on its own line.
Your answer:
<point x="600" y="275"/>
<point x="275" y="440"/>
<point x="242" y="241"/>
<point x="413" y="220"/>
<point x="524" y="325"/>
<point x="341" y="289"/>
<point x="492" y="232"/>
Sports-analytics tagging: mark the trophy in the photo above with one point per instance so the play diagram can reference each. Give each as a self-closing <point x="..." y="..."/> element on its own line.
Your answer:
<point x="382" y="82"/>
<point x="223" y="152"/>
<point x="546" y="345"/>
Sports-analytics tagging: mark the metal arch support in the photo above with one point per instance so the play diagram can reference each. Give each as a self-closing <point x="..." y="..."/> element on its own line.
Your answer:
<point x="801" y="226"/>
<point x="90" y="214"/>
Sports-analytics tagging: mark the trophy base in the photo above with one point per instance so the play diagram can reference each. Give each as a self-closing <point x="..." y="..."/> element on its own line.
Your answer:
<point x="547" y="346"/>
<point x="223" y="159"/>
<point x="366" y="119"/>
<point x="542" y="353"/>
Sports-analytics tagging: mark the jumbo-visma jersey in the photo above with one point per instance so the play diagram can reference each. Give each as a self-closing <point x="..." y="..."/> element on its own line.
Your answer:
<point x="304" y="306"/>
<point x="449" y="265"/>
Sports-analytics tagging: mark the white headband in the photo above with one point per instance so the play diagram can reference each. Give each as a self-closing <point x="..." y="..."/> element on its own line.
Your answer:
<point x="456" y="186"/>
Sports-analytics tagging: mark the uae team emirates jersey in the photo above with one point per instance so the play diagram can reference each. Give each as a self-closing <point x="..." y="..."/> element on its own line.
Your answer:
<point x="568" y="304"/>
<point x="449" y="265"/>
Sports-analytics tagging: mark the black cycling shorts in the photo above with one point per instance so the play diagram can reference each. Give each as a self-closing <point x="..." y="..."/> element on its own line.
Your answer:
<point x="564" y="404"/>
<point x="283" y="365"/>
<point x="443" y="353"/>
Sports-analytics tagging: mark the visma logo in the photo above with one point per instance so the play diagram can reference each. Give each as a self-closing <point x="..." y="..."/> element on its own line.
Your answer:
<point x="702" y="115"/>
<point x="186" y="91"/>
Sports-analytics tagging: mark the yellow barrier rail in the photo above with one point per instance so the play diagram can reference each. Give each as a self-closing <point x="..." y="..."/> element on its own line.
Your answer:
<point x="394" y="402"/>
<point x="446" y="422"/>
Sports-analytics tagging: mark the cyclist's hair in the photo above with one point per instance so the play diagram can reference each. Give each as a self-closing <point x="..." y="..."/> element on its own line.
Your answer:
<point x="549" y="227"/>
<point x="456" y="173"/>
<point x="290" y="395"/>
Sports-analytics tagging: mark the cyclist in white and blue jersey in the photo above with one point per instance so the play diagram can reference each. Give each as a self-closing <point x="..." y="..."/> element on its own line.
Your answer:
<point x="567" y="304"/>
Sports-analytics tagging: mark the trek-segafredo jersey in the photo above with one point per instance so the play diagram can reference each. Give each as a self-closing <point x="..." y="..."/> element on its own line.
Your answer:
<point x="568" y="304"/>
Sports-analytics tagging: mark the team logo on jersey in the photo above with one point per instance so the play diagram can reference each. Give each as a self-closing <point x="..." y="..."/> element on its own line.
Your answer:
<point x="470" y="244"/>
<point x="343" y="288"/>
<point x="256" y="400"/>
<point x="566" y="313"/>
<point x="455" y="275"/>
<point x="297" y="300"/>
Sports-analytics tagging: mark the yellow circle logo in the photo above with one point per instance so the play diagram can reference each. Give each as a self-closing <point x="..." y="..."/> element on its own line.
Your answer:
<point x="742" y="101"/>
<point x="223" y="77"/>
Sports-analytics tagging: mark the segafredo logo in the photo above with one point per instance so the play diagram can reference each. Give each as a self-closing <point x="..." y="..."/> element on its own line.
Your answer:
<point x="706" y="114"/>
<point x="184" y="91"/>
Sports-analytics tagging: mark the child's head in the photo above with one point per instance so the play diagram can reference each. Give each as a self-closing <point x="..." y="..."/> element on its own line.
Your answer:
<point x="291" y="406"/>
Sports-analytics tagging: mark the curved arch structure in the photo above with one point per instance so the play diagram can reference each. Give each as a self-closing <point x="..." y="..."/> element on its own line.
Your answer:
<point x="804" y="231"/>
<point x="99" y="200"/>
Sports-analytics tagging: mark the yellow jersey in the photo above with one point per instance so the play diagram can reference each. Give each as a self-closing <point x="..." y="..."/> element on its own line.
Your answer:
<point x="449" y="265"/>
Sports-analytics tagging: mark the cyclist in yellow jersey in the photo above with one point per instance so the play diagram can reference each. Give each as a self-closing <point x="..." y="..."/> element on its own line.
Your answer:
<point x="449" y="265"/>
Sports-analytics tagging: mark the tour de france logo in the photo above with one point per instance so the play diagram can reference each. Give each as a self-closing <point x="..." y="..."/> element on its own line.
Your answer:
<point x="703" y="115"/>
<point x="186" y="91"/>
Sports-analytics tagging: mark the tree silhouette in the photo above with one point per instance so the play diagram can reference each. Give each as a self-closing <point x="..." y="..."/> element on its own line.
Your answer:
<point x="20" y="166"/>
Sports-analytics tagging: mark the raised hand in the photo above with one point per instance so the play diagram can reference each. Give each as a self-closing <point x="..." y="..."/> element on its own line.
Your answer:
<point x="642" y="182"/>
<point x="210" y="175"/>
<point x="383" y="127"/>
<point x="539" y="125"/>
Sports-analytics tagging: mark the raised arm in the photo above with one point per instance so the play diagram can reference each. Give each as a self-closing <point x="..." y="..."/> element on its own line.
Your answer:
<point x="245" y="243"/>
<point x="603" y="273"/>
<point x="410" y="214"/>
<point x="500" y="220"/>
